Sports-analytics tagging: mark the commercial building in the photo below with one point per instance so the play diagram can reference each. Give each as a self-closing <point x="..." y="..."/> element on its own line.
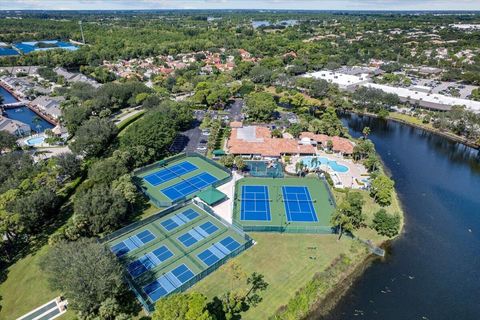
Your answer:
<point x="427" y="100"/>
<point x="344" y="81"/>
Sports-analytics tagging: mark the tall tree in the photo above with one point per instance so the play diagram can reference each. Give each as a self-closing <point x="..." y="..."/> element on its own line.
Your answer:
<point x="99" y="209"/>
<point x="381" y="190"/>
<point x="93" y="137"/>
<point x="89" y="273"/>
<point x="260" y="106"/>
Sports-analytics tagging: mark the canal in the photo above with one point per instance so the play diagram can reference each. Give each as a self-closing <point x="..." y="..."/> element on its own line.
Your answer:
<point x="24" y="114"/>
<point x="433" y="270"/>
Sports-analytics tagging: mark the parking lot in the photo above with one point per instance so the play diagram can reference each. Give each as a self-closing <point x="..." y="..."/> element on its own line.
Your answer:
<point x="447" y="88"/>
<point x="195" y="139"/>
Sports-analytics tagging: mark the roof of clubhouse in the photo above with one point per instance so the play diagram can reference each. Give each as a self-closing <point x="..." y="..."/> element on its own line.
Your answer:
<point x="258" y="140"/>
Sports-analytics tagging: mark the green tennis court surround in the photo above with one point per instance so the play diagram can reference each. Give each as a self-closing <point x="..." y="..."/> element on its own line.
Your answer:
<point x="179" y="178"/>
<point x="172" y="250"/>
<point x="296" y="205"/>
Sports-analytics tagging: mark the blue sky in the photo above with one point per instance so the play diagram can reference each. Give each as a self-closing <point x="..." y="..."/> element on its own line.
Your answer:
<point x="242" y="4"/>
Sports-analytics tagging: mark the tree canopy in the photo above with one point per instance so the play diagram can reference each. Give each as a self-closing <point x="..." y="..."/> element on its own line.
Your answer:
<point x="86" y="272"/>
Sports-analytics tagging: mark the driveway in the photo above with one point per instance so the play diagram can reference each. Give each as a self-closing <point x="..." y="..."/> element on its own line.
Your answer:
<point x="235" y="110"/>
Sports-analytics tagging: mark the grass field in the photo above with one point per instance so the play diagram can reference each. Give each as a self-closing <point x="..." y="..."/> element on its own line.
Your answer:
<point x="26" y="288"/>
<point x="288" y="262"/>
<point x="409" y="119"/>
<point x="201" y="164"/>
<point x="318" y="191"/>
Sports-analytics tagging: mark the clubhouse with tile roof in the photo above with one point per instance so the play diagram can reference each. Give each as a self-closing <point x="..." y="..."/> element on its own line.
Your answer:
<point x="257" y="141"/>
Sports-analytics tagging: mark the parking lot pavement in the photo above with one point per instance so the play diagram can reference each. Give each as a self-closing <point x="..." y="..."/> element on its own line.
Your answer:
<point x="190" y="140"/>
<point x="442" y="87"/>
<point x="235" y="110"/>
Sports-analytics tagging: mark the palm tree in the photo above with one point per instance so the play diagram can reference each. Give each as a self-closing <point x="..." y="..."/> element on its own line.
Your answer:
<point x="366" y="131"/>
<point x="299" y="167"/>
<point x="341" y="220"/>
<point x="314" y="163"/>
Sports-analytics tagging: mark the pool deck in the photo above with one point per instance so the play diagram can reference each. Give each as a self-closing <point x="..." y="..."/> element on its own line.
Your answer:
<point x="350" y="179"/>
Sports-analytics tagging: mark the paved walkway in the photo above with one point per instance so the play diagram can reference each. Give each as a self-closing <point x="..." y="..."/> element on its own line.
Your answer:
<point x="225" y="209"/>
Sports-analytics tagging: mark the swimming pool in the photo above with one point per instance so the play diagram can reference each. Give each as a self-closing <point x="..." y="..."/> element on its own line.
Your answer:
<point x="314" y="164"/>
<point x="35" y="141"/>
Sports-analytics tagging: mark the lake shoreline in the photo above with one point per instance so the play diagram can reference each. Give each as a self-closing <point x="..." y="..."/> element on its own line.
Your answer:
<point x="451" y="136"/>
<point x="323" y="306"/>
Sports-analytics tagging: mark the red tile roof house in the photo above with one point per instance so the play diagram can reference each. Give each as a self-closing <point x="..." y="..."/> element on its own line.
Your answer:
<point x="341" y="145"/>
<point x="257" y="141"/>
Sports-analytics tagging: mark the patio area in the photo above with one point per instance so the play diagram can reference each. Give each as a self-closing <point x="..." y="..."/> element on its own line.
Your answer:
<point x="345" y="173"/>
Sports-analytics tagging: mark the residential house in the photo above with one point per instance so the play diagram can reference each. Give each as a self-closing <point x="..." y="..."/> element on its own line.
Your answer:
<point x="49" y="106"/>
<point x="14" y="127"/>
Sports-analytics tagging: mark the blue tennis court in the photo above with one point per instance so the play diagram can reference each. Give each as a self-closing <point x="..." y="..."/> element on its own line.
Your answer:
<point x="298" y="204"/>
<point x="197" y="234"/>
<point x="132" y="243"/>
<point x="255" y="204"/>
<point x="168" y="174"/>
<point x="218" y="251"/>
<point x="179" y="219"/>
<point x="149" y="261"/>
<point x="168" y="282"/>
<point x="189" y="186"/>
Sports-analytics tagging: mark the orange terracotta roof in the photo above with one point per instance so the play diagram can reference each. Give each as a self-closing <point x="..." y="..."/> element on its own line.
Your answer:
<point x="265" y="145"/>
<point x="340" y="144"/>
<point x="236" y="124"/>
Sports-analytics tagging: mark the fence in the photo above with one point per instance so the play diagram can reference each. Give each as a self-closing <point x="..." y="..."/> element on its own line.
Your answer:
<point x="143" y="222"/>
<point x="330" y="194"/>
<point x="288" y="229"/>
<point x="141" y="297"/>
<point x="165" y="162"/>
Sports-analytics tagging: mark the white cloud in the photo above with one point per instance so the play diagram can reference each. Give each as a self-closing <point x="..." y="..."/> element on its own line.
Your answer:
<point x="241" y="4"/>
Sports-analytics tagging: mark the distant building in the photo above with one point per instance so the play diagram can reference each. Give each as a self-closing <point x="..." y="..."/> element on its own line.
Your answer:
<point x="465" y="26"/>
<point x="71" y="77"/>
<point x="427" y="100"/>
<point x="344" y="81"/>
<point x="14" y="127"/>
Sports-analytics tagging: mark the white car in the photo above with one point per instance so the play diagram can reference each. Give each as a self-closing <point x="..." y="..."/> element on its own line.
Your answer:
<point x="202" y="148"/>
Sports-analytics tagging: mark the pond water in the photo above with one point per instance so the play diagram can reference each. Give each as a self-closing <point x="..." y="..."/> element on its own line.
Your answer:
<point x="433" y="270"/>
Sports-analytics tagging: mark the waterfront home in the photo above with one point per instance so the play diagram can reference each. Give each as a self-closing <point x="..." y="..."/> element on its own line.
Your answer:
<point x="21" y="87"/>
<point x="49" y="106"/>
<point x="14" y="127"/>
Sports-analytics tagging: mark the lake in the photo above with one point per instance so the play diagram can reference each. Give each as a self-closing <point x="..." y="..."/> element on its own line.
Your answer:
<point x="433" y="270"/>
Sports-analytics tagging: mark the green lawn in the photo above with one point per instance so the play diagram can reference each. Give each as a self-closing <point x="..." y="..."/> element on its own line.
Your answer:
<point x="26" y="288"/>
<point x="288" y="262"/>
<point x="409" y="119"/>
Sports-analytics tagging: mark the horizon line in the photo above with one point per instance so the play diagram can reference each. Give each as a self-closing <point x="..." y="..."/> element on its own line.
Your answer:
<point x="260" y="9"/>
